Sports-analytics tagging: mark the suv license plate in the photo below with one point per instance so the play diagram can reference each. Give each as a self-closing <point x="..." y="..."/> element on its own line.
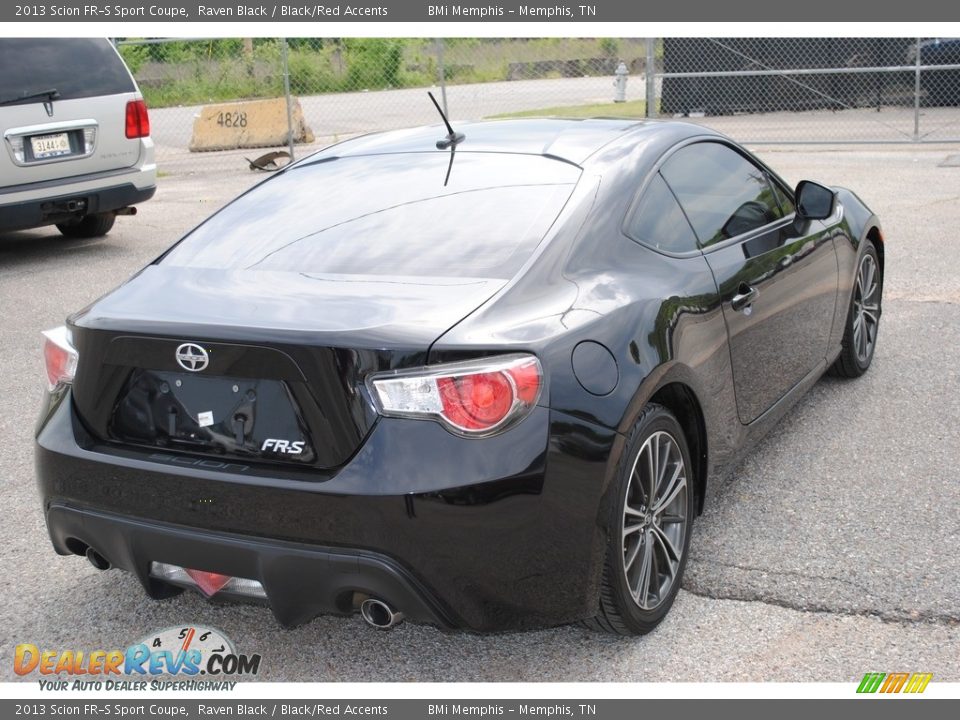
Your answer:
<point x="48" y="146"/>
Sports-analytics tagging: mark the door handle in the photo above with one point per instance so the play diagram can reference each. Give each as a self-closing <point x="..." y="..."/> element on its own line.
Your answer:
<point x="744" y="297"/>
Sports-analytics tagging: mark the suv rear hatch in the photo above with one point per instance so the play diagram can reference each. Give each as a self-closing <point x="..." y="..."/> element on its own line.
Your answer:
<point x="252" y="338"/>
<point x="63" y="110"/>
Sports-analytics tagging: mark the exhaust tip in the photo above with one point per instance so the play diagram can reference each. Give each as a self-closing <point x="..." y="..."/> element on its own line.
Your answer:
<point x="97" y="560"/>
<point x="379" y="614"/>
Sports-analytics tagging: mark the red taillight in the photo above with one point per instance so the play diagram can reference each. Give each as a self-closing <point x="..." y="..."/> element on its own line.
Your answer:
<point x="527" y="381"/>
<point x="138" y="121"/>
<point x="476" y="402"/>
<point x="471" y="398"/>
<point x="59" y="357"/>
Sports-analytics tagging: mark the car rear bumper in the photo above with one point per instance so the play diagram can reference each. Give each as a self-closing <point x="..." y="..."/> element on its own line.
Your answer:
<point x="301" y="581"/>
<point x="521" y="551"/>
<point x="29" y="206"/>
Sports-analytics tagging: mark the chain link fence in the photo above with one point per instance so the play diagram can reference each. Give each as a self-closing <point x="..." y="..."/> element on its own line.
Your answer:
<point x="815" y="90"/>
<point x="757" y="90"/>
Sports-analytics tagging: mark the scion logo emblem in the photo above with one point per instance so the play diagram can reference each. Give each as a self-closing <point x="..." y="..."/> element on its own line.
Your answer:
<point x="192" y="357"/>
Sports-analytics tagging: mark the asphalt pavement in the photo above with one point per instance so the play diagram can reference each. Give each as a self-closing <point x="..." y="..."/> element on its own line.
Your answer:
<point x="833" y="550"/>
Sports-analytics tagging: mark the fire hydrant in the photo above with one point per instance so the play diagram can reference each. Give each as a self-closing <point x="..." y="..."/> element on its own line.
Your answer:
<point x="620" y="82"/>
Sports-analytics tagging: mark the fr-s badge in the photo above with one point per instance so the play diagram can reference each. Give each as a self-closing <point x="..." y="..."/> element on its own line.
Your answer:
<point x="283" y="446"/>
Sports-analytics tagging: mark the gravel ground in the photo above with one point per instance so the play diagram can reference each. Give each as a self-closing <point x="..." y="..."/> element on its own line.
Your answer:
<point x="831" y="551"/>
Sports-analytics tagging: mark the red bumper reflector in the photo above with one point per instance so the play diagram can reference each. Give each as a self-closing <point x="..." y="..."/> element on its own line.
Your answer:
<point x="210" y="583"/>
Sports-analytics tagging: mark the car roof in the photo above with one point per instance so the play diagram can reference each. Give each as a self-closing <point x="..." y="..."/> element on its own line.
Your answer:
<point x="568" y="139"/>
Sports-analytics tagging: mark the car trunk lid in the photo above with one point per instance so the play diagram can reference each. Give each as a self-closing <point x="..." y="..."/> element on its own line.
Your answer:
<point x="167" y="360"/>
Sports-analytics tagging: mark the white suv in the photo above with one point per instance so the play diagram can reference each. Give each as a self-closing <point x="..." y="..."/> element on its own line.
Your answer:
<point x="76" y="137"/>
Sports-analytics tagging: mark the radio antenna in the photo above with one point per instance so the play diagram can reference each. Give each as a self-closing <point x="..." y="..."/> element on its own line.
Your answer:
<point x="452" y="137"/>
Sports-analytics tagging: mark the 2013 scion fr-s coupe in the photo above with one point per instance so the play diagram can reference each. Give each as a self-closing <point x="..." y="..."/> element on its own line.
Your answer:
<point x="478" y="379"/>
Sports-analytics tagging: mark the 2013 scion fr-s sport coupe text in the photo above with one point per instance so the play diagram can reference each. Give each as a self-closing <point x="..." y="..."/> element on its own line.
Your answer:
<point x="477" y="379"/>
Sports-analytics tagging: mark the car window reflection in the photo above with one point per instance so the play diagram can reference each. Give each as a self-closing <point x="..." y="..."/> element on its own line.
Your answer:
<point x="722" y="193"/>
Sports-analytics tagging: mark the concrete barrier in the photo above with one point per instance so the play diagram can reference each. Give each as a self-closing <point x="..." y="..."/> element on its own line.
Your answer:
<point x="248" y="124"/>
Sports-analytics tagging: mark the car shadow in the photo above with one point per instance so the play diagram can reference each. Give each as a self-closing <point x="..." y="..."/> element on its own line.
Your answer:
<point x="26" y="247"/>
<point x="338" y="649"/>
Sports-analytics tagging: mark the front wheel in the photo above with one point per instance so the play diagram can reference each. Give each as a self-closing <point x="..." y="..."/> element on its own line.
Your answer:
<point x="649" y="527"/>
<point x="863" y="318"/>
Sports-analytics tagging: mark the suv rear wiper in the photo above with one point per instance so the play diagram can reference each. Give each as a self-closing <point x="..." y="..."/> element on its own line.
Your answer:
<point x="51" y="94"/>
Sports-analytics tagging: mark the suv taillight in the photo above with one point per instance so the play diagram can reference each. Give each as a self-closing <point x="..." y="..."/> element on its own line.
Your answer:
<point x="138" y="122"/>
<point x="475" y="398"/>
<point x="59" y="357"/>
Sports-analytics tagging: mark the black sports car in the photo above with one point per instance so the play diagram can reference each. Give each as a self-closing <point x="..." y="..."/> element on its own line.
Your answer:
<point x="477" y="380"/>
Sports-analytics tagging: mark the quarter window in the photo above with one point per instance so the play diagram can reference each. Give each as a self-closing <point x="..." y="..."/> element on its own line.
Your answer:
<point x="722" y="193"/>
<point x="658" y="220"/>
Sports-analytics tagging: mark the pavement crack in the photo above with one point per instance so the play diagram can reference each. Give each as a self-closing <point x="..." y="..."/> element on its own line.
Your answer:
<point x="789" y="573"/>
<point x="899" y="298"/>
<point x="897" y="616"/>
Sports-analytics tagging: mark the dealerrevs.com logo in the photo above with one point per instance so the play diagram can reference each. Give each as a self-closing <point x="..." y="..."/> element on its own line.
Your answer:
<point x="189" y="652"/>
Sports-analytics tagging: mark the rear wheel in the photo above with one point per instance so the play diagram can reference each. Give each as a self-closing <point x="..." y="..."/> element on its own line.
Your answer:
<point x="650" y="527"/>
<point x="863" y="318"/>
<point x="89" y="226"/>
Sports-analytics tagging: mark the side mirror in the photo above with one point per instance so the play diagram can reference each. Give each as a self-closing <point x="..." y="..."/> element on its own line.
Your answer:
<point x="814" y="201"/>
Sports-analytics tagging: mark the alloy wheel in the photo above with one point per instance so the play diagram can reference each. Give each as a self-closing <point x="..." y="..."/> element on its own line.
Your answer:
<point x="866" y="309"/>
<point x="655" y="520"/>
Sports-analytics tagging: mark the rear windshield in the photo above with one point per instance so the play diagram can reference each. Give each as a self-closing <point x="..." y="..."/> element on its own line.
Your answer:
<point x="389" y="215"/>
<point x="74" y="67"/>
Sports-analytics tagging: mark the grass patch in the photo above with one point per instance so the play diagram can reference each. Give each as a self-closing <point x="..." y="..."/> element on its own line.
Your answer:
<point x="633" y="110"/>
<point x="195" y="72"/>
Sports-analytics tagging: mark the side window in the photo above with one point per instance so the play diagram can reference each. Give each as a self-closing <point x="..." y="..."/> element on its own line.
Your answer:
<point x="658" y="220"/>
<point x="722" y="192"/>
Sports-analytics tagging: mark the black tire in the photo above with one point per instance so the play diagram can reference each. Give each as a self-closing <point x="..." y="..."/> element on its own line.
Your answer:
<point x="620" y="610"/>
<point x="858" y="346"/>
<point x="89" y="226"/>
